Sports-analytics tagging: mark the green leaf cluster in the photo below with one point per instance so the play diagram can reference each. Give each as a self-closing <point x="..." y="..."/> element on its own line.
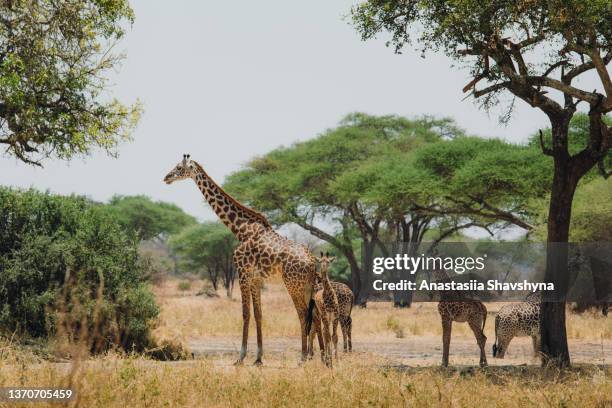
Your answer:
<point x="54" y="57"/>
<point x="56" y="252"/>
<point x="148" y="219"/>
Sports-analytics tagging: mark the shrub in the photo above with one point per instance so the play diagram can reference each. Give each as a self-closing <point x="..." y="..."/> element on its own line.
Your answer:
<point x="56" y="253"/>
<point x="394" y="325"/>
<point x="184" y="285"/>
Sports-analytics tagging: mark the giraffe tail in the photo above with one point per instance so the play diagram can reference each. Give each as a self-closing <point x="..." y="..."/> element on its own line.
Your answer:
<point x="309" y="315"/>
<point x="495" y="344"/>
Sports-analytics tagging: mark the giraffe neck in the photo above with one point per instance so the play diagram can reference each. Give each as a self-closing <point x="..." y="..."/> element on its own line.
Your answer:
<point x="325" y="281"/>
<point x="233" y="214"/>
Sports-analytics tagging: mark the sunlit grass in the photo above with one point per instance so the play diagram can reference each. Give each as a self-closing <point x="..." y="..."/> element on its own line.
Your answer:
<point x="200" y="316"/>
<point x="356" y="381"/>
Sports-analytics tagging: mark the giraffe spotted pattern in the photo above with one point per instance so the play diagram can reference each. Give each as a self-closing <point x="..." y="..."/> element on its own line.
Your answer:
<point x="260" y="253"/>
<point x="516" y="320"/>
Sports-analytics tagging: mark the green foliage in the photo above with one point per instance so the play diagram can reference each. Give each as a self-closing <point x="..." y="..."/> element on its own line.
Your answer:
<point x="206" y="247"/>
<point x="504" y="175"/>
<point x="578" y="139"/>
<point x="448" y="26"/>
<point x="55" y="252"/>
<point x="327" y="173"/>
<point x="591" y="213"/>
<point x="148" y="219"/>
<point x="184" y="285"/>
<point x="52" y="78"/>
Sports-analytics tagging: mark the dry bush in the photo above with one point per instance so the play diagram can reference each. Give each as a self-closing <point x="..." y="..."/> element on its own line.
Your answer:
<point x="394" y="325"/>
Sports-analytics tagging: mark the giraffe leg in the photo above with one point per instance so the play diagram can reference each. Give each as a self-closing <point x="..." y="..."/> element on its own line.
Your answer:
<point x="344" y="327"/>
<point x="481" y="339"/>
<point x="320" y="338"/>
<point x="316" y="328"/>
<point x="311" y="339"/>
<point x="256" y="294"/>
<point x="502" y="345"/>
<point x="301" y="308"/>
<point x="535" y="340"/>
<point x="335" y="337"/>
<point x="327" y="337"/>
<point x="349" y="331"/>
<point x="245" y="295"/>
<point x="447" y="325"/>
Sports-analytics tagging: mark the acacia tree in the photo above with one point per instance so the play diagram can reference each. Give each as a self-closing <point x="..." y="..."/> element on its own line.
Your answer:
<point x="444" y="187"/>
<point x="374" y="179"/>
<point x="497" y="40"/>
<point x="53" y="58"/>
<point x="148" y="219"/>
<point x="307" y="183"/>
<point x="208" y="247"/>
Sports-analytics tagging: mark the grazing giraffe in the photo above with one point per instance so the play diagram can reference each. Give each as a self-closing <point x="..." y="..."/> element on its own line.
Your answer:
<point x="451" y="310"/>
<point x="345" y="306"/>
<point x="328" y="309"/>
<point x="518" y="319"/>
<point x="261" y="252"/>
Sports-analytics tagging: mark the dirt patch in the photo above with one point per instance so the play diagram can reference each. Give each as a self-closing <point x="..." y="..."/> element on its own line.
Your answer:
<point x="412" y="351"/>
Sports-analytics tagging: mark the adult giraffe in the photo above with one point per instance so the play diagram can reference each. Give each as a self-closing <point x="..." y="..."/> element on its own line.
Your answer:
<point x="260" y="253"/>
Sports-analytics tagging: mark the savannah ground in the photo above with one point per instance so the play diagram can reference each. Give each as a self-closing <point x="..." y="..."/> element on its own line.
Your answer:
<point x="395" y="362"/>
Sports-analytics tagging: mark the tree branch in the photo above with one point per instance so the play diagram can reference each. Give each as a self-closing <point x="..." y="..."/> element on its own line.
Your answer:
<point x="563" y="87"/>
<point x="546" y="150"/>
<point x="603" y="73"/>
<point x="602" y="169"/>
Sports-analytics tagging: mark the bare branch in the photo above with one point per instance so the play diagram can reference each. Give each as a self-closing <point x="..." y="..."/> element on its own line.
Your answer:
<point x="555" y="66"/>
<point x="490" y="89"/>
<point x="604" y="75"/>
<point x="457" y="228"/>
<point x="563" y="87"/>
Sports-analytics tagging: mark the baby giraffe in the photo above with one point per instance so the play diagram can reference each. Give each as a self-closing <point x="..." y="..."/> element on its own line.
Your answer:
<point x="345" y="307"/>
<point x="326" y="302"/>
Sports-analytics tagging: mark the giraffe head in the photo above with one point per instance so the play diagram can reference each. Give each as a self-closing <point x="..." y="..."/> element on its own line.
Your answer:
<point x="184" y="169"/>
<point x="324" y="261"/>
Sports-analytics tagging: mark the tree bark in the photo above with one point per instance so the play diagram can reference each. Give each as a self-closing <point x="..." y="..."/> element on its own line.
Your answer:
<point x="552" y="313"/>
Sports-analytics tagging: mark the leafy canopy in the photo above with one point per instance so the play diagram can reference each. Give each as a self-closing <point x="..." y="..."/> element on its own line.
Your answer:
<point x="148" y="219"/>
<point x="205" y="246"/>
<point x="518" y="46"/>
<point x="54" y="56"/>
<point x="324" y="175"/>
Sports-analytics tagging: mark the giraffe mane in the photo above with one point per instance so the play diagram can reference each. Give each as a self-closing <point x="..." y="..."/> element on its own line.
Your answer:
<point x="259" y="217"/>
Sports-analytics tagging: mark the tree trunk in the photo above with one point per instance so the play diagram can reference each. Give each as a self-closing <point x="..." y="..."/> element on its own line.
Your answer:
<point x="552" y="313"/>
<point x="355" y="278"/>
<point x="403" y="298"/>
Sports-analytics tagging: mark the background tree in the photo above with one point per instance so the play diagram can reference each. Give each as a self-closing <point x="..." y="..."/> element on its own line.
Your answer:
<point x="147" y="218"/>
<point x="209" y="248"/>
<point x="498" y="40"/>
<point x="150" y="220"/>
<point x="301" y="184"/>
<point x="390" y="179"/>
<point x="53" y="58"/>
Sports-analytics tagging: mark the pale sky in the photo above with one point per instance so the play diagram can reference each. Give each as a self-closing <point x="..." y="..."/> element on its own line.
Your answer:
<point x="225" y="81"/>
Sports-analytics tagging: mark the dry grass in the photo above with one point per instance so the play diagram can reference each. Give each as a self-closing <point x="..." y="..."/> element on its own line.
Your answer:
<point x="112" y="382"/>
<point x="199" y="316"/>
<point x="359" y="379"/>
